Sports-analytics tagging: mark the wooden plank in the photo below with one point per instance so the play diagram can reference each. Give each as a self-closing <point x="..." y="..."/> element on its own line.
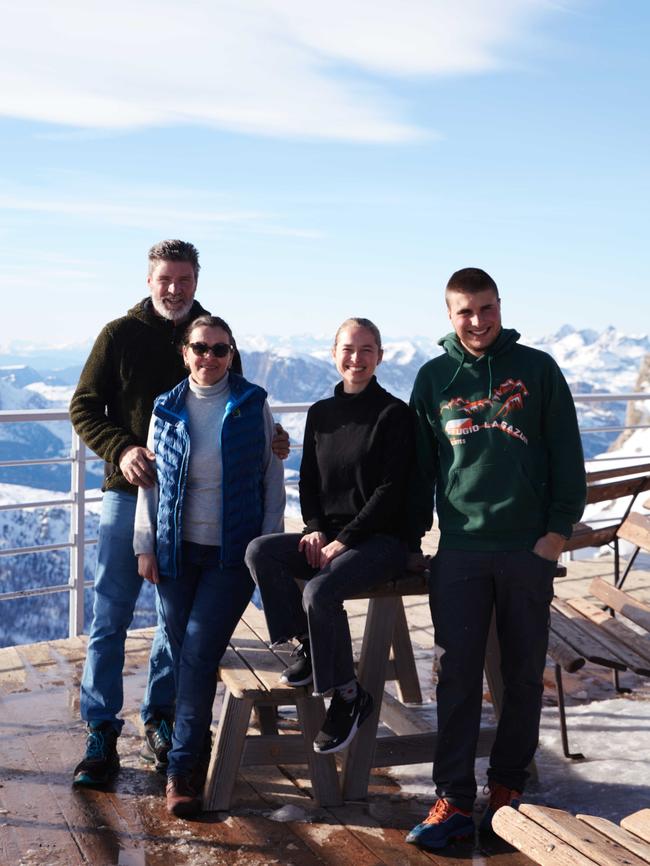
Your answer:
<point x="401" y="719"/>
<point x="636" y="528"/>
<point x="614" y="635"/>
<point x="273" y="749"/>
<point x="622" y="602"/>
<point x="617" y="472"/>
<point x="533" y="840"/>
<point x="581" y="635"/>
<point x="226" y="753"/>
<point x="378" y="634"/>
<point x="566" y="656"/>
<point x="419" y="748"/>
<point x="322" y="768"/>
<point x="238" y="677"/>
<point x="617" y="489"/>
<point x="328" y="841"/>
<point x="639" y="824"/>
<point x="408" y="584"/>
<point x="619" y="835"/>
<point x="586" y="536"/>
<point x="585" y="839"/>
<point x="12" y="671"/>
<point x="408" y="684"/>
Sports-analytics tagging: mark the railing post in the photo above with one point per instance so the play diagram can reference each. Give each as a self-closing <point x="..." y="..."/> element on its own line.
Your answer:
<point x="77" y="536"/>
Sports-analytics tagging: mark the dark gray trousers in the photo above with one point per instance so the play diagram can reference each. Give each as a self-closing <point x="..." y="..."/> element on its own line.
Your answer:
<point x="464" y="589"/>
<point x="274" y="561"/>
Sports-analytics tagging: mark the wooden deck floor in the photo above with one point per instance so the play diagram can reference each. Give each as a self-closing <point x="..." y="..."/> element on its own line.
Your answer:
<point x="44" y="822"/>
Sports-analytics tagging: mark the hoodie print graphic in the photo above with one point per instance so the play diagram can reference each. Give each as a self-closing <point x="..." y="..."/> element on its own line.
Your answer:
<point x="488" y="413"/>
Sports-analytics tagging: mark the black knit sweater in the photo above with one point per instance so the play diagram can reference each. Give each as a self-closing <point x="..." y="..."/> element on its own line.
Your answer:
<point x="134" y="358"/>
<point x="356" y="458"/>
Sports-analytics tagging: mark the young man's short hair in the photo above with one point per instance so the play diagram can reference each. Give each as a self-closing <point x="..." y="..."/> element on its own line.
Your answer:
<point x="472" y="281"/>
<point x="174" y="251"/>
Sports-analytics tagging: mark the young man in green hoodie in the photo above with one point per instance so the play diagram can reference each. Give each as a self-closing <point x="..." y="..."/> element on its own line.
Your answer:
<point x="499" y="447"/>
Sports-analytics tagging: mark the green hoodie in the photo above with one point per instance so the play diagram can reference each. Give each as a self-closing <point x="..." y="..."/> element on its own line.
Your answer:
<point x="498" y="442"/>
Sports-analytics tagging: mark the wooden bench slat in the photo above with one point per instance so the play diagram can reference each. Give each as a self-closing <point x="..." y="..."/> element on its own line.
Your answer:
<point x="622" y="602"/>
<point x="534" y="841"/>
<point x="617" y="834"/>
<point x="587" y="536"/>
<point x="565" y="622"/>
<point x="564" y="654"/>
<point x="584" y="839"/>
<point x="639" y="824"/>
<point x="636" y="528"/>
<point x="621" y="640"/>
<point x="617" y="489"/>
<point x="617" y="471"/>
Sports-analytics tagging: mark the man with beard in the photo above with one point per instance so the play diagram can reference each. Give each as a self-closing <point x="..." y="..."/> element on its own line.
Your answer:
<point x="134" y="358"/>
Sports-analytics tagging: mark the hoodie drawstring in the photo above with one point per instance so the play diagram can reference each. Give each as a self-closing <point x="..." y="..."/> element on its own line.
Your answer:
<point x="458" y="369"/>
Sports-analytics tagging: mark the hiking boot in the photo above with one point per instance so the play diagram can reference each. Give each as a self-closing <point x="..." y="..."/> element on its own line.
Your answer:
<point x="101" y="763"/>
<point x="443" y="823"/>
<point x="181" y="797"/>
<point x="342" y="721"/>
<point x="499" y="796"/>
<point x="157" y="743"/>
<point x="300" y="672"/>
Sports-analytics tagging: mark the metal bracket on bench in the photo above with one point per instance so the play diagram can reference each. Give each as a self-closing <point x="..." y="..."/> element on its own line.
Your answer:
<point x="575" y="756"/>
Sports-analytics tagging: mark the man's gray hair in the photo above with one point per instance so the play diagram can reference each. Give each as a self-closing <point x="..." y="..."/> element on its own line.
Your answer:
<point x="174" y="251"/>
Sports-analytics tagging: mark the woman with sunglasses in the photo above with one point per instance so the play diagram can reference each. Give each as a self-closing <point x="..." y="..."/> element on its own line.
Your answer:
<point x="218" y="486"/>
<point x="355" y="463"/>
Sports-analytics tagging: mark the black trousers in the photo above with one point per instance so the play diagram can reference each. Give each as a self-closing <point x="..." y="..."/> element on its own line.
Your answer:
<point x="465" y="587"/>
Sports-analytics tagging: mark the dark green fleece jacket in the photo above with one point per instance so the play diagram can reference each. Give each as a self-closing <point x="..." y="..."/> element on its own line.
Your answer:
<point x="497" y="441"/>
<point x="134" y="359"/>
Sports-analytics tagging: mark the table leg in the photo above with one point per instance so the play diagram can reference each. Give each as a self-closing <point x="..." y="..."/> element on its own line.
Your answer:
<point x="375" y="650"/>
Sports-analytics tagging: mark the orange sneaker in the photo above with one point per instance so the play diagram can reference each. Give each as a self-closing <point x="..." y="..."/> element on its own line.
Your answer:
<point x="499" y="796"/>
<point x="443" y="823"/>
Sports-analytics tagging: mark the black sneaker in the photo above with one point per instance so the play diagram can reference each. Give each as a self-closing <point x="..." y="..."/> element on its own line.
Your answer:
<point x="342" y="721"/>
<point x="300" y="672"/>
<point x="101" y="763"/>
<point x="157" y="743"/>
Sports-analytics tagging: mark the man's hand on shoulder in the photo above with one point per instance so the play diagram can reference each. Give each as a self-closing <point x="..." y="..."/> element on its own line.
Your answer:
<point x="550" y="546"/>
<point x="137" y="465"/>
<point x="280" y="442"/>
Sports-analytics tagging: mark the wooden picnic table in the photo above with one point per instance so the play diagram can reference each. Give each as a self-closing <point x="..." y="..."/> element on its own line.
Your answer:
<point x="251" y="672"/>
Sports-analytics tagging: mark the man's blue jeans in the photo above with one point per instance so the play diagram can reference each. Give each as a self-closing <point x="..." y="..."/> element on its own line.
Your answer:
<point x="201" y="608"/>
<point x="117" y="586"/>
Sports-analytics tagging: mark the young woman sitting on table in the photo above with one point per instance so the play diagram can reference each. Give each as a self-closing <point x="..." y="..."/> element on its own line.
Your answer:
<point x="356" y="457"/>
<point x="218" y="486"/>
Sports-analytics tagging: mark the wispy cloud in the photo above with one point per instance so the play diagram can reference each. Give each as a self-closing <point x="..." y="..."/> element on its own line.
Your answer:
<point x="104" y="209"/>
<point x="285" y="68"/>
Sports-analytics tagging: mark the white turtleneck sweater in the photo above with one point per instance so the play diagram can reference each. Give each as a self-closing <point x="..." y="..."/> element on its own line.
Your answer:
<point x="202" y="517"/>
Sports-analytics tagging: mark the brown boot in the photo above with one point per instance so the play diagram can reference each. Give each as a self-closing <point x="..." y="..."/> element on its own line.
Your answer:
<point x="181" y="798"/>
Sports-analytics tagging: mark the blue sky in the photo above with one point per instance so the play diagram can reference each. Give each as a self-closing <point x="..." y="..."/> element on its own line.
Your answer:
<point x="327" y="159"/>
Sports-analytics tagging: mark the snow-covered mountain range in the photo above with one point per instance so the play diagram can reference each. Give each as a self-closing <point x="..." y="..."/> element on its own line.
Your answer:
<point x="293" y="370"/>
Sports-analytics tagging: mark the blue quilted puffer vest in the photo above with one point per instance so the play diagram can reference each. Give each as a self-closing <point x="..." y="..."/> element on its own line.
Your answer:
<point x="242" y="455"/>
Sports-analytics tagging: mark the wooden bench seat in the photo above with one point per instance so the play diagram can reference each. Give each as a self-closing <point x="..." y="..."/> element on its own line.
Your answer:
<point x="250" y="672"/>
<point x="604" y="485"/>
<point x="553" y="837"/>
<point x="582" y="630"/>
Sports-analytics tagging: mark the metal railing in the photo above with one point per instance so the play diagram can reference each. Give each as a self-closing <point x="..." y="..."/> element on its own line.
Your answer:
<point x="77" y="499"/>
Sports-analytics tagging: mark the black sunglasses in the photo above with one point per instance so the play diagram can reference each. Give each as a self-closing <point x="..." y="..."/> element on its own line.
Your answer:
<point x="219" y="350"/>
